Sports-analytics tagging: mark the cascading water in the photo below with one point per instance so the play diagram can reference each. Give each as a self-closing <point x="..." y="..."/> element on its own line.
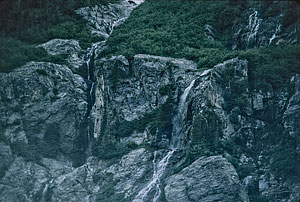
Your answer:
<point x="45" y="190"/>
<point x="158" y="171"/>
<point x="178" y="118"/>
<point x="253" y="26"/>
<point x="160" y="167"/>
<point x="99" y="46"/>
<point x="277" y="30"/>
<point x="117" y="23"/>
<point x="43" y="199"/>
<point x="91" y="83"/>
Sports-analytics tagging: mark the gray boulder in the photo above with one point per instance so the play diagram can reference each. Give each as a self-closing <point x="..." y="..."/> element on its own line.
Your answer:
<point x="207" y="179"/>
<point x="61" y="46"/>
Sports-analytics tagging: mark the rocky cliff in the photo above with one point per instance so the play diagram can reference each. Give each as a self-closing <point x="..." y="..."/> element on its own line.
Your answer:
<point x="149" y="128"/>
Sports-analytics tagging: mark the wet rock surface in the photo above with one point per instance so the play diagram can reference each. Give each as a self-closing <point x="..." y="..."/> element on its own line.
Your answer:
<point x="127" y="90"/>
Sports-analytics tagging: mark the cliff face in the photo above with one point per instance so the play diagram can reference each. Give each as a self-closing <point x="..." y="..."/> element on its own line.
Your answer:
<point x="266" y="23"/>
<point x="149" y="128"/>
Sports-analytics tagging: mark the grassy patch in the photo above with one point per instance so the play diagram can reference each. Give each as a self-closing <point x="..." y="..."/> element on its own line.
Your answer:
<point x="176" y="30"/>
<point x="271" y="65"/>
<point x="24" y="24"/>
<point x="15" y="53"/>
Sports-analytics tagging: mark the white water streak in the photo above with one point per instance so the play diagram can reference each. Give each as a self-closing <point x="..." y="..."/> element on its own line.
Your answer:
<point x="278" y="30"/>
<point x="160" y="167"/>
<point x="254" y="23"/>
<point x="158" y="171"/>
<point x="178" y="118"/>
<point x="44" y="193"/>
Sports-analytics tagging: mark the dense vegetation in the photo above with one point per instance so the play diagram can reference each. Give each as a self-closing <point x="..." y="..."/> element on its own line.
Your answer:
<point x="271" y="65"/>
<point x="175" y="29"/>
<point x="14" y="53"/>
<point x="24" y="24"/>
<point x="157" y="28"/>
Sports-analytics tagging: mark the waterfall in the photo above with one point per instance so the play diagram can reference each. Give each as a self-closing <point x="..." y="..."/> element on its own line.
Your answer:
<point x="253" y="26"/>
<point x="89" y="66"/>
<point x="91" y="83"/>
<point x="115" y="24"/>
<point x="277" y="30"/>
<point x="43" y="199"/>
<point x="99" y="46"/>
<point x="160" y="167"/>
<point x="45" y="190"/>
<point x="158" y="171"/>
<point x="178" y="118"/>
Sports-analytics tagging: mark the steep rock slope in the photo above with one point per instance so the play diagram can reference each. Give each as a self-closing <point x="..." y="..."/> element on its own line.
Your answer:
<point x="102" y="19"/>
<point x="267" y="23"/>
<point x="235" y="143"/>
<point x="222" y="115"/>
<point x="43" y="104"/>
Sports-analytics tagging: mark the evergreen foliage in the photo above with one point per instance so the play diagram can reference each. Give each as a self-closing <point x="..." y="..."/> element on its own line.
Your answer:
<point x="271" y="65"/>
<point x="176" y="29"/>
<point x="39" y="21"/>
<point x="26" y="23"/>
<point x="15" y="53"/>
<point x="286" y="159"/>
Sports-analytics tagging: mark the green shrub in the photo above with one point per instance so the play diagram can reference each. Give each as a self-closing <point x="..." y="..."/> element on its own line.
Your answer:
<point x="178" y="32"/>
<point x="15" y="53"/>
<point x="291" y="14"/>
<point x="272" y="64"/>
<point x="286" y="159"/>
<point x="38" y="21"/>
<point x="23" y="24"/>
